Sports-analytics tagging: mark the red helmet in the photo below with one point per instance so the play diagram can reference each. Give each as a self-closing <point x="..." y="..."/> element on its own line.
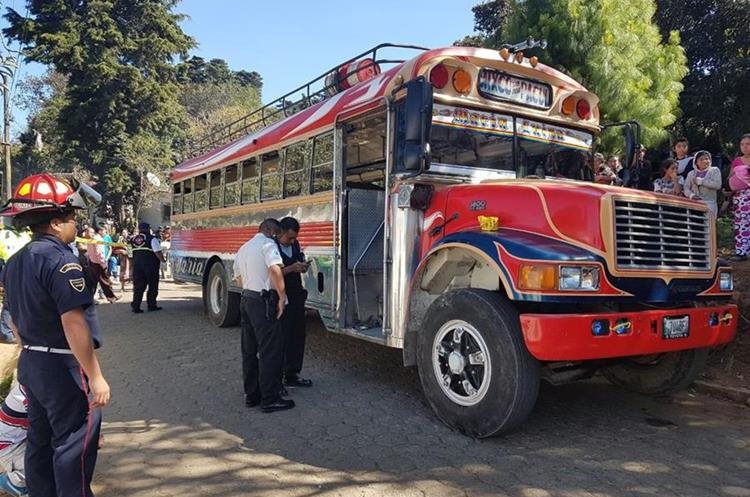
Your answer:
<point x="45" y="194"/>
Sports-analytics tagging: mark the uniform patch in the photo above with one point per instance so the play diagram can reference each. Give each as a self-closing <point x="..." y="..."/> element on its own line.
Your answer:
<point x="78" y="284"/>
<point x="71" y="266"/>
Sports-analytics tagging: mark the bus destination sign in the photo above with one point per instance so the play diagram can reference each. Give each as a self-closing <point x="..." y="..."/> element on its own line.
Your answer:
<point x="502" y="86"/>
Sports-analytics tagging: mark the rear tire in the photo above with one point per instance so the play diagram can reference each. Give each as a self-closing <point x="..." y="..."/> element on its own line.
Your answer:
<point x="221" y="305"/>
<point x="659" y="375"/>
<point x="475" y="370"/>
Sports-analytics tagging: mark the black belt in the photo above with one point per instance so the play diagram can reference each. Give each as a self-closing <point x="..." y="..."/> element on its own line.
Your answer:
<point x="250" y="293"/>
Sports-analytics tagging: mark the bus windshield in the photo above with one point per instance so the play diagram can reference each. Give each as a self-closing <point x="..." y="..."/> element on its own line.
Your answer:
<point x="482" y="139"/>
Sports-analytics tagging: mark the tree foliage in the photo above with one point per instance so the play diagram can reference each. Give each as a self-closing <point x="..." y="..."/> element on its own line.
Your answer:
<point x="716" y="98"/>
<point x="612" y="47"/>
<point x="120" y="109"/>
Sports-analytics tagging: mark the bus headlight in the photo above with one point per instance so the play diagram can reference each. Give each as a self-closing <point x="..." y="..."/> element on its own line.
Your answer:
<point x="726" y="282"/>
<point x="585" y="278"/>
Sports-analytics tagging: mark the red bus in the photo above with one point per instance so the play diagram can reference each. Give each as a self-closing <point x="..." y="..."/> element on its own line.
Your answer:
<point x="447" y="205"/>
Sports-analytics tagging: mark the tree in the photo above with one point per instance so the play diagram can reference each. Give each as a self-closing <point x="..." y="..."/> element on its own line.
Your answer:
<point x="195" y="70"/>
<point x="611" y="46"/>
<point x="716" y="98"/>
<point x="121" y="88"/>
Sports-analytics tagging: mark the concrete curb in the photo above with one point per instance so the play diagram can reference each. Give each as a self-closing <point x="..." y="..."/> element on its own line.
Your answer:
<point x="739" y="395"/>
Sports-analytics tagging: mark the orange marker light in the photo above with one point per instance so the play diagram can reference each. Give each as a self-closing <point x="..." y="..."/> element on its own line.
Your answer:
<point x="537" y="277"/>
<point x="462" y="81"/>
<point x="568" y="106"/>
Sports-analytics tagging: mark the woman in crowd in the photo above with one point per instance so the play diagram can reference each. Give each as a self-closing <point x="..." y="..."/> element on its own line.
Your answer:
<point x="704" y="181"/>
<point x="669" y="182"/>
<point x="739" y="182"/>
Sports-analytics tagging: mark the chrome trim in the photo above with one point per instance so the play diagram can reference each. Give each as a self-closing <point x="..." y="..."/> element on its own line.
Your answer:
<point x="474" y="173"/>
<point x="661" y="236"/>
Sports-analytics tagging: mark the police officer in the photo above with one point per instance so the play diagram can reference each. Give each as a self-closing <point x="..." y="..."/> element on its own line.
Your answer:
<point x="257" y="269"/>
<point x="293" y="320"/>
<point x="147" y="257"/>
<point x="52" y="311"/>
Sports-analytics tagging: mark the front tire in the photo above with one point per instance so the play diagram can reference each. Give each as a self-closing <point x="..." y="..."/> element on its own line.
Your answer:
<point x="662" y="374"/>
<point x="475" y="370"/>
<point x="221" y="305"/>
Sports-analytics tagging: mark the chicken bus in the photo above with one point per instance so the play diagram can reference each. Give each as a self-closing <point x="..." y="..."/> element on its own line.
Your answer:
<point x="446" y="204"/>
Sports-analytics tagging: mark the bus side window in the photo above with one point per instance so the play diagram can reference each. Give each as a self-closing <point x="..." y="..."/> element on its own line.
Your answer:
<point x="296" y="180"/>
<point x="215" y="200"/>
<point x="201" y="192"/>
<point x="250" y="181"/>
<point x="231" y="186"/>
<point x="271" y="176"/>
<point x="177" y="198"/>
<point x="187" y="195"/>
<point x="322" y="164"/>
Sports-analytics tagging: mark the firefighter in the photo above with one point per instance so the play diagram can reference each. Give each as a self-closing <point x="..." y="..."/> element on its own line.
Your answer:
<point x="147" y="257"/>
<point x="52" y="311"/>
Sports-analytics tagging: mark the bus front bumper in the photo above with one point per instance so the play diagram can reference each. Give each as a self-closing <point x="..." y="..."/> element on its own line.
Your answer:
<point x="578" y="337"/>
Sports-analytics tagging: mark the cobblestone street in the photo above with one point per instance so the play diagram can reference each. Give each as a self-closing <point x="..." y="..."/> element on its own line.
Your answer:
<point x="177" y="426"/>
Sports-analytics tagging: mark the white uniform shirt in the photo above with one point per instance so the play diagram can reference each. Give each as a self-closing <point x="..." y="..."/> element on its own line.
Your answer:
<point x="253" y="260"/>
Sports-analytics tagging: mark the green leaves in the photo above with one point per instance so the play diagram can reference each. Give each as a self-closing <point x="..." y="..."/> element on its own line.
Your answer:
<point x="612" y="47"/>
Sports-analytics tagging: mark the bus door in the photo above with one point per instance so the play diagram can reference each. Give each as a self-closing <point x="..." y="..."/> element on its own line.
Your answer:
<point x="362" y="227"/>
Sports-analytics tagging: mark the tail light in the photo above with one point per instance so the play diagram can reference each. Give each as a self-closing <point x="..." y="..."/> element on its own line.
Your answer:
<point x="583" y="109"/>
<point x="439" y="76"/>
<point x="568" y="106"/>
<point x="462" y="81"/>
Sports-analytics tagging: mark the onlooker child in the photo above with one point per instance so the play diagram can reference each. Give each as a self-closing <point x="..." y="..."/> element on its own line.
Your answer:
<point x="704" y="181"/>
<point x="669" y="182"/>
<point x="14" y="423"/>
<point x="739" y="182"/>
<point x="684" y="161"/>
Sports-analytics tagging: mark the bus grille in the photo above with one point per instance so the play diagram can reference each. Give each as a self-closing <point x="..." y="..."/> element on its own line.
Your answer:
<point x="661" y="237"/>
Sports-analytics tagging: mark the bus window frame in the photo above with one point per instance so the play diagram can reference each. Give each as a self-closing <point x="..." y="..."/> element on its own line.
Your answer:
<point x="255" y="178"/>
<point x="177" y="196"/>
<point x="206" y="188"/>
<point x="211" y="175"/>
<point x="188" y="198"/>
<point x="279" y="174"/>
<point x="237" y="182"/>
<point x="305" y="169"/>
<point x="313" y="166"/>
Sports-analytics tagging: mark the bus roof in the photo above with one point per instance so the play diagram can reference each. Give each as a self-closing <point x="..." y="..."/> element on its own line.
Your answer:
<point x="359" y="98"/>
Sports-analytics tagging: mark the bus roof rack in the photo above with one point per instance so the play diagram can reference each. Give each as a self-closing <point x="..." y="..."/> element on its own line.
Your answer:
<point x="309" y="94"/>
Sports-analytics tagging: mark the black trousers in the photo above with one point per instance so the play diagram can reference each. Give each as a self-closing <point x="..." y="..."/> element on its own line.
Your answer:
<point x="145" y="276"/>
<point x="63" y="437"/>
<point x="293" y="325"/>
<point x="262" y="350"/>
<point x="97" y="276"/>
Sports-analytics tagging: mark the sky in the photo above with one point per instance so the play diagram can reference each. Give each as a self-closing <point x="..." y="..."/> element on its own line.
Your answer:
<point x="291" y="42"/>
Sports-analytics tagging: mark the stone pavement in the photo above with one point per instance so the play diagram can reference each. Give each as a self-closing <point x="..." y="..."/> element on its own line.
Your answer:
<point x="177" y="426"/>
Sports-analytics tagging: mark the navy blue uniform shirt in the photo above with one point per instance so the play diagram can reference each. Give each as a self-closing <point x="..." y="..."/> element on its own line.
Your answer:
<point x="42" y="281"/>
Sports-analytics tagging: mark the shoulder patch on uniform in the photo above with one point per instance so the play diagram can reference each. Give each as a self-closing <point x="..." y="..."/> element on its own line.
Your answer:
<point x="78" y="284"/>
<point x="71" y="266"/>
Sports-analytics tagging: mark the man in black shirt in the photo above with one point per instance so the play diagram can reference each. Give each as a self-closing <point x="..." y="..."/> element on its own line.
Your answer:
<point x="293" y="320"/>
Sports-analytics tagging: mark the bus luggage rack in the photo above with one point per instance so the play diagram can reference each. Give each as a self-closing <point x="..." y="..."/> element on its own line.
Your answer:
<point x="308" y="94"/>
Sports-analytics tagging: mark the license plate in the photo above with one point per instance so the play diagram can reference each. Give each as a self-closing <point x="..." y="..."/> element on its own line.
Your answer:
<point x="676" y="327"/>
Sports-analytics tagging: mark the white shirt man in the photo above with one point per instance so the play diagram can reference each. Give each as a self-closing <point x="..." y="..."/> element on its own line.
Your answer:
<point x="253" y="260"/>
<point x="257" y="268"/>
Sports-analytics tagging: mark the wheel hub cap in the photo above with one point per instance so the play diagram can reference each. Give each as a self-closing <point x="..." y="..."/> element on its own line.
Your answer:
<point x="456" y="362"/>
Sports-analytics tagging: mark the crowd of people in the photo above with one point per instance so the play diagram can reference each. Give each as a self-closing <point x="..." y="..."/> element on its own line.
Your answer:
<point x="691" y="175"/>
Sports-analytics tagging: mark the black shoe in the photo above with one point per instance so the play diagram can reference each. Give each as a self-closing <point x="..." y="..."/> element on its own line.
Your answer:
<point x="252" y="401"/>
<point x="137" y="310"/>
<point x="279" y="405"/>
<point x="296" y="381"/>
<point x="157" y="308"/>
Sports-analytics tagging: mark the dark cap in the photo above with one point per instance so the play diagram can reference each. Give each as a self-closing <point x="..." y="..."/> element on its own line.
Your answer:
<point x="143" y="226"/>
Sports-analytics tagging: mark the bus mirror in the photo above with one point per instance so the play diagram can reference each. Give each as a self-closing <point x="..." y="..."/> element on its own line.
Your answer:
<point x="417" y="123"/>
<point x="630" y="144"/>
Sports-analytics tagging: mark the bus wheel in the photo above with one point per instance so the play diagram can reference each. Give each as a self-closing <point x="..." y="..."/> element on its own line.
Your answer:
<point x="221" y="305"/>
<point x="657" y="374"/>
<point x="475" y="370"/>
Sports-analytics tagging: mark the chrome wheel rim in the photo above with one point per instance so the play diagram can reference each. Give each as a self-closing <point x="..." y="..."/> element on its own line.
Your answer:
<point x="461" y="362"/>
<point x="216" y="295"/>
